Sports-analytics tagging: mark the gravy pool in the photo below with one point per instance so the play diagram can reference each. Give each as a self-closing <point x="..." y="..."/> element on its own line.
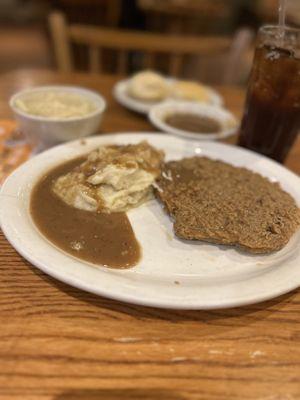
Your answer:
<point x="99" y="238"/>
<point x="193" y="123"/>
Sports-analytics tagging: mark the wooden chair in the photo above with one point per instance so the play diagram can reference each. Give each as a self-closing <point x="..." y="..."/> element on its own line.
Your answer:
<point x="150" y="45"/>
<point x="103" y="12"/>
<point x="188" y="16"/>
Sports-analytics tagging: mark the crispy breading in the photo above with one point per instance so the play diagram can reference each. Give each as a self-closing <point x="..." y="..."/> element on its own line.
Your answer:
<point x="216" y="202"/>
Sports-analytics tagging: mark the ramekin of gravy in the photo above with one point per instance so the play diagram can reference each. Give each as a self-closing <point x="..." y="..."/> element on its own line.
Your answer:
<point x="193" y="120"/>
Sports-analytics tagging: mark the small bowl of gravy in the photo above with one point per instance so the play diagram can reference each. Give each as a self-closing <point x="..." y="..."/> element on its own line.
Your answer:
<point x="193" y="120"/>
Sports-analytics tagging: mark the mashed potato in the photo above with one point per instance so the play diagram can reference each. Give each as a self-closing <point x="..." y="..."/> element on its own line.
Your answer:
<point x="55" y="104"/>
<point x="112" y="179"/>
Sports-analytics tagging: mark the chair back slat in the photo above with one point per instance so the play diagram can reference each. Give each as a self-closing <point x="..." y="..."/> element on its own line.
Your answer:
<point x="145" y="41"/>
<point x="94" y="59"/>
<point x="175" y="64"/>
<point x="61" y="43"/>
<point x="149" y="60"/>
<point x="122" y="62"/>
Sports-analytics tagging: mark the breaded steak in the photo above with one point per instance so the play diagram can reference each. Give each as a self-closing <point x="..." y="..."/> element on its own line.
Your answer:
<point x="216" y="202"/>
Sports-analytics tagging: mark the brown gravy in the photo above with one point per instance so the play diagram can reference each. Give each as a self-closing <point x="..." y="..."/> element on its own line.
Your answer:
<point x="103" y="239"/>
<point x="193" y="123"/>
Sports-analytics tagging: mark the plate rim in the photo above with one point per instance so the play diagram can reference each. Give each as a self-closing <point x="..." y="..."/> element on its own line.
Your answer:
<point x="124" y="297"/>
<point x="144" y="108"/>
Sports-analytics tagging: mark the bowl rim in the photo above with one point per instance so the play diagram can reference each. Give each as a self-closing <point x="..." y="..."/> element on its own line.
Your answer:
<point x="101" y="106"/>
<point x="196" y="108"/>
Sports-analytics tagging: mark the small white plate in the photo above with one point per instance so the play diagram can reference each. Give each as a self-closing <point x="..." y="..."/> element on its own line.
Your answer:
<point x="158" y="114"/>
<point x="172" y="273"/>
<point x="120" y="92"/>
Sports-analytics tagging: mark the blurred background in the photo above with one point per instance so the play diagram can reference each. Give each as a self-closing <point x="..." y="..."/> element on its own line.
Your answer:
<point x="31" y="38"/>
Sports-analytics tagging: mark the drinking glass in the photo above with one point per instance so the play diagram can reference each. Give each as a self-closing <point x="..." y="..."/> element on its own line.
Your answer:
<point x="271" y="119"/>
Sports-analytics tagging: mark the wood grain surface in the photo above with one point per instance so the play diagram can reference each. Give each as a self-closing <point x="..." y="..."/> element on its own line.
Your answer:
<point x="57" y="342"/>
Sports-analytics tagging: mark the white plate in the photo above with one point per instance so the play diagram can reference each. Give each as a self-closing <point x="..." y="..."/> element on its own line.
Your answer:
<point x="158" y="113"/>
<point x="172" y="273"/>
<point x="121" y="95"/>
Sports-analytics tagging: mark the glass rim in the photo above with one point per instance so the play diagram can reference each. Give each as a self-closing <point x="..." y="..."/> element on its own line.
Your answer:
<point x="269" y="28"/>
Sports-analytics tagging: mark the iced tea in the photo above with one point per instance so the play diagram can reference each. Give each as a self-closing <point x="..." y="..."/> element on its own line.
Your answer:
<point x="271" y="121"/>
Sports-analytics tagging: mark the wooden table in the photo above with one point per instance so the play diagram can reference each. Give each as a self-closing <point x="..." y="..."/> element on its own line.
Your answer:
<point x="57" y="342"/>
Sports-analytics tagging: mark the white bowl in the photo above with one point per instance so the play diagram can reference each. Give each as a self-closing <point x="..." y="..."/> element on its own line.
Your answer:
<point x="49" y="130"/>
<point x="158" y="114"/>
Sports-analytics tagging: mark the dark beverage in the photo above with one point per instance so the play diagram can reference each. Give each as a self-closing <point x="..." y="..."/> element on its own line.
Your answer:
<point x="272" y="113"/>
